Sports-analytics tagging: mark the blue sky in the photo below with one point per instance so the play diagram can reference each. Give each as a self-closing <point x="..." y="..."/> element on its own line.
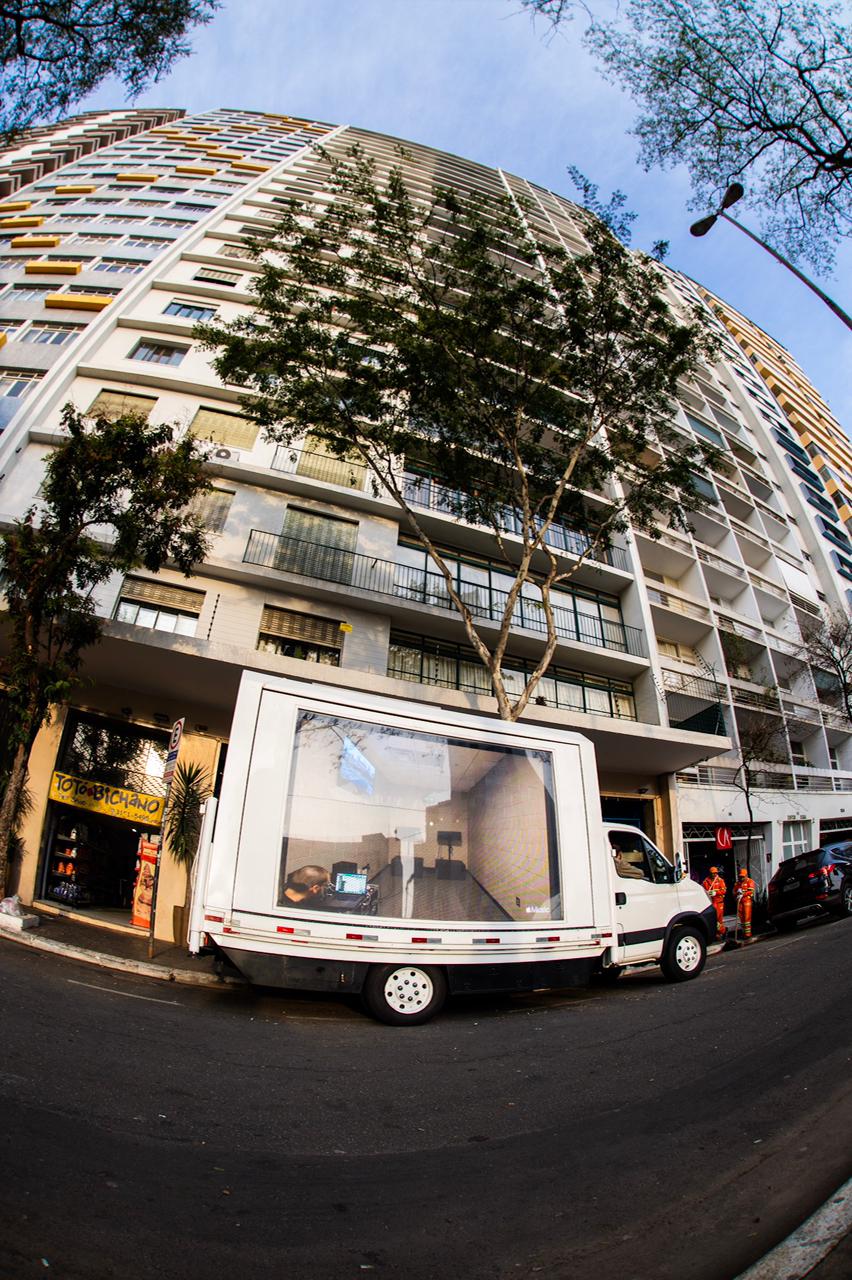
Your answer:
<point x="479" y="78"/>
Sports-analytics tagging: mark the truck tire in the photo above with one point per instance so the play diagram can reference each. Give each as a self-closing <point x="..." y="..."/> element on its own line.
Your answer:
<point x="403" y="995"/>
<point x="685" y="954"/>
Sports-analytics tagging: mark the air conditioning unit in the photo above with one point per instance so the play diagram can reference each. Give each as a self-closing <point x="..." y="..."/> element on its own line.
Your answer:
<point x="225" y="455"/>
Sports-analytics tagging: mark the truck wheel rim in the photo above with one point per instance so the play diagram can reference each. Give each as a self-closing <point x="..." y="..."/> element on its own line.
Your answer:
<point x="408" y="990"/>
<point x="687" y="954"/>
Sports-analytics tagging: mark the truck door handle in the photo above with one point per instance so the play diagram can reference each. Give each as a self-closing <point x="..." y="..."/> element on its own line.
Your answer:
<point x="621" y="899"/>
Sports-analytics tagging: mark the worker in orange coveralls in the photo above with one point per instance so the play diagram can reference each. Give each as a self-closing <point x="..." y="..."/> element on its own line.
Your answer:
<point x="716" y="888"/>
<point x="745" y="888"/>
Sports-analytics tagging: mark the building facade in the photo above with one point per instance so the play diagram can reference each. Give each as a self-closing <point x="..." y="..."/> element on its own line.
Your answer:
<point x="667" y="649"/>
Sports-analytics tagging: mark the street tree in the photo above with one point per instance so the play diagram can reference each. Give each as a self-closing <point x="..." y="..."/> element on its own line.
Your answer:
<point x="54" y="52"/>
<point x="114" y="497"/>
<point x="757" y="91"/>
<point x="827" y="647"/>
<point x="760" y="741"/>
<point x="404" y="331"/>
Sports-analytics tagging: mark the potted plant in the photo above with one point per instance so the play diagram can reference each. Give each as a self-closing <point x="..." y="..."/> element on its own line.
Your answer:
<point x="190" y="788"/>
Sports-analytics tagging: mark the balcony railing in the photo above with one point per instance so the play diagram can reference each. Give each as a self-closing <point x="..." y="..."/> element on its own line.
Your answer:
<point x="668" y="601"/>
<point x="719" y="776"/>
<point x="427" y="494"/>
<point x="406" y="583"/>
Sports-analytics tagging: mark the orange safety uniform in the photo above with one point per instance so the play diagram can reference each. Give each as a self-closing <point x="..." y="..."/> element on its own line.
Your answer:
<point x="716" y="888"/>
<point x="745" y="896"/>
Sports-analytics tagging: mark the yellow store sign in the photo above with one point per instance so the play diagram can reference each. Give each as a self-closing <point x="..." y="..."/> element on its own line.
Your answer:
<point x="103" y="797"/>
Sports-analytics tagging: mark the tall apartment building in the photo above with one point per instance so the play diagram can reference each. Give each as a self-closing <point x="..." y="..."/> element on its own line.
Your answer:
<point x="666" y="647"/>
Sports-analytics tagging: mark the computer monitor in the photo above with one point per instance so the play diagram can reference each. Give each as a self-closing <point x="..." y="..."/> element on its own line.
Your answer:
<point x="351" y="882"/>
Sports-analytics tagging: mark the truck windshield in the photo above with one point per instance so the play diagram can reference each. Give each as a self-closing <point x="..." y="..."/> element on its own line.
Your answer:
<point x="393" y="822"/>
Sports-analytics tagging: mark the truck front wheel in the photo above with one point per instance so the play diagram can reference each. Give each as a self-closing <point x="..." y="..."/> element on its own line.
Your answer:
<point x="404" y="995"/>
<point x="684" y="955"/>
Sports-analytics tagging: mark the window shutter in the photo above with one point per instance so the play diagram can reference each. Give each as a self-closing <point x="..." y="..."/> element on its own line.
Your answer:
<point x="113" y="404"/>
<point x="212" y="508"/>
<point x="318" y="462"/>
<point x="308" y="526"/>
<point x="147" y="591"/>
<point x="300" y="626"/>
<point x="224" y="428"/>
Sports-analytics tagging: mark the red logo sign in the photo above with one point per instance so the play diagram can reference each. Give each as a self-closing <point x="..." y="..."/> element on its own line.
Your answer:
<point x="724" y="839"/>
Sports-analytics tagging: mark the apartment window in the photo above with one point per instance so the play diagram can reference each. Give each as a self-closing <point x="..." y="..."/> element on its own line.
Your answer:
<point x="28" y="292"/>
<point x="15" y="383"/>
<point x="128" y="266"/>
<point x="101" y="289"/>
<point x="51" y="332"/>
<point x="158" y="352"/>
<point x="220" y="427"/>
<point x="234" y="251"/>
<point x="115" y="404"/>
<point x="9" y="263"/>
<point x="833" y="758"/>
<point x="201" y="208"/>
<point x="145" y="204"/>
<point x="159" y="606"/>
<point x="212" y="508"/>
<point x="796" y="838"/>
<point x="10" y="326"/>
<point x="452" y="666"/>
<point x="189" y="311"/>
<point x="300" y="635"/>
<point x="169" y="222"/>
<point x="146" y="242"/>
<point x="88" y="237"/>
<point x="317" y="545"/>
<point x="215" y="275"/>
<point x="797" y="752"/>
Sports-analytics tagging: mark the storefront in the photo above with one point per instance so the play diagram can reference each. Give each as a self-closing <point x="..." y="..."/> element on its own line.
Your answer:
<point x="103" y="820"/>
<point x="702" y="852"/>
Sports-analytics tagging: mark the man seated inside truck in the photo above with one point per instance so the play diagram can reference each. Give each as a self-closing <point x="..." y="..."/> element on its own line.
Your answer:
<point x="624" y="867"/>
<point x="306" y="887"/>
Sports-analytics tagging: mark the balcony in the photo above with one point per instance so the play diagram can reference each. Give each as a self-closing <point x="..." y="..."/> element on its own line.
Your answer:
<point x="766" y="780"/>
<point x="428" y="495"/>
<point x="367" y="574"/>
<point x="679" y="604"/>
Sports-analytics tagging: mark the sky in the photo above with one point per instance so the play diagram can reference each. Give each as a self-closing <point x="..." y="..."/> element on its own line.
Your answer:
<point x="482" y="79"/>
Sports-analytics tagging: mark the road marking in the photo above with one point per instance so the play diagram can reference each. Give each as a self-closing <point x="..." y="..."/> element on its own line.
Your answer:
<point x="128" y="995"/>
<point x="809" y="1244"/>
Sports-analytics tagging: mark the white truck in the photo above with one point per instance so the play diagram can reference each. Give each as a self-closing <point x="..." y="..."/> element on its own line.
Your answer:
<point x="367" y="844"/>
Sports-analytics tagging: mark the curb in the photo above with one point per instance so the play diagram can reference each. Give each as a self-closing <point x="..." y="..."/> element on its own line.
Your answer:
<point x="103" y="960"/>
<point x="807" y="1246"/>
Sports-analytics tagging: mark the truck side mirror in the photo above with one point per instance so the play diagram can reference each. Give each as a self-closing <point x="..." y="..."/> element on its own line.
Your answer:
<point x="680" y="868"/>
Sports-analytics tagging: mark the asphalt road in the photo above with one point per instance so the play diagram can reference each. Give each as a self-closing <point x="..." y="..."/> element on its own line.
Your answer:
<point x="647" y="1132"/>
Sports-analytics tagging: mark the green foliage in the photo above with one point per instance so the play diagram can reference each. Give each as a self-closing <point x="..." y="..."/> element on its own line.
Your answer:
<point x="54" y="52"/>
<point x="190" y="787"/>
<point x="435" y="329"/>
<point x="752" y="90"/>
<point x="114" y="497"/>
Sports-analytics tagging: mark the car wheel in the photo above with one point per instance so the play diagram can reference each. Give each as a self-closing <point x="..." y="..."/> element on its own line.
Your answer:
<point x="403" y="995"/>
<point x="685" y="954"/>
<point x="846" y="898"/>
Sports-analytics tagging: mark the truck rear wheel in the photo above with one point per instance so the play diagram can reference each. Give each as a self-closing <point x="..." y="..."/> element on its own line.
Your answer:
<point x="684" y="955"/>
<point x="403" y="995"/>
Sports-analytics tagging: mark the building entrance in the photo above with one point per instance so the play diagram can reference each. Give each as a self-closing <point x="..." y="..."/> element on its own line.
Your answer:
<point x="106" y="797"/>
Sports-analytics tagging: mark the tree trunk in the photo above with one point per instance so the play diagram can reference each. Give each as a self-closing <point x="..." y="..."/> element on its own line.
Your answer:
<point x="9" y="806"/>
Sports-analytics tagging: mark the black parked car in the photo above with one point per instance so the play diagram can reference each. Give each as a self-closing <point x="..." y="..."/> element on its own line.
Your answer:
<point x="814" y="883"/>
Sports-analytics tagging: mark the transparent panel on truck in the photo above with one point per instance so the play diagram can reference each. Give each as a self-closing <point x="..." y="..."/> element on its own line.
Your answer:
<point x="388" y="821"/>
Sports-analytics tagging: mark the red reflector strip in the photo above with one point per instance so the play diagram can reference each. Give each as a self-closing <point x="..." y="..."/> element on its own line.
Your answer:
<point x="485" y="941"/>
<point x="299" y="933"/>
<point x="554" y="937"/>
<point x="216" y="919"/>
<point x="228" y="929"/>
<point x="362" y="937"/>
<point x="431" y="941"/>
<point x="606" y="935"/>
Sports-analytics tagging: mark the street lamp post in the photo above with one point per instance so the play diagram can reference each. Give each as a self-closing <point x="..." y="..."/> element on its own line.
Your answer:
<point x="731" y="196"/>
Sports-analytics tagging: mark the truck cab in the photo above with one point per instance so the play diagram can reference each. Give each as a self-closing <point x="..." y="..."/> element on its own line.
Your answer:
<point x="662" y="916"/>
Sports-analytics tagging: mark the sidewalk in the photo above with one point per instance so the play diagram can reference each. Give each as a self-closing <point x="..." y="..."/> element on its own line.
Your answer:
<point x="110" y="950"/>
